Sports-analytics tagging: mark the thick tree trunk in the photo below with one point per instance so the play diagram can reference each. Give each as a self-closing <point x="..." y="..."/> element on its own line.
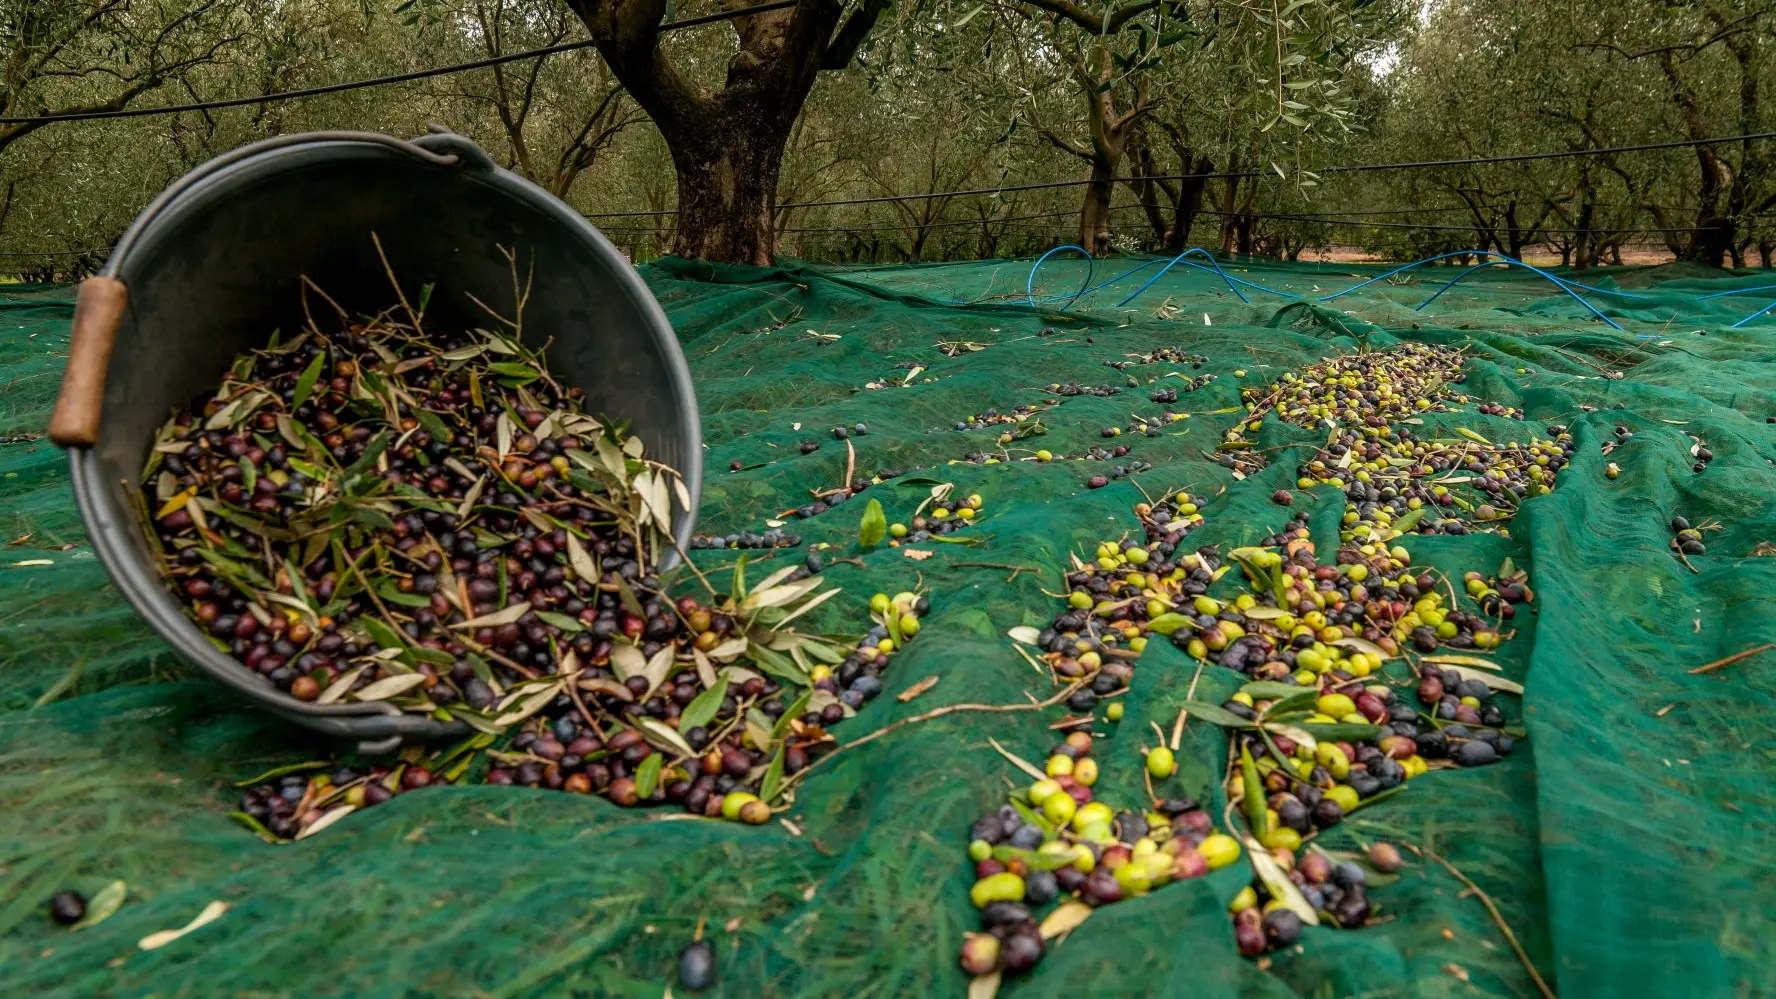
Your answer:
<point x="1586" y="253"/>
<point x="1765" y="249"/>
<point x="1189" y="204"/>
<point x="1094" y="214"/>
<point x="1143" y="169"/>
<point x="727" y="145"/>
<point x="727" y="190"/>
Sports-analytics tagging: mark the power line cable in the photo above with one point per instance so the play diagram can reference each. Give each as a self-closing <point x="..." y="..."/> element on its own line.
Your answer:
<point x="379" y="81"/>
<point x="1228" y="175"/>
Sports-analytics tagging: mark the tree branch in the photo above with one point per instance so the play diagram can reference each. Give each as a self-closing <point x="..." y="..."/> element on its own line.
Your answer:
<point x="845" y="42"/>
<point x="1062" y="143"/>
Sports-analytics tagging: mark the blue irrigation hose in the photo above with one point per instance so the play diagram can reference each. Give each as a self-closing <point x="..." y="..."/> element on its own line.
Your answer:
<point x="1558" y="282"/>
<point x="1169" y="264"/>
<point x="1030" y="283"/>
<point x="1736" y="291"/>
<point x="1743" y="291"/>
<point x="1572" y="288"/>
<point x="1754" y="315"/>
<point x="1086" y="287"/>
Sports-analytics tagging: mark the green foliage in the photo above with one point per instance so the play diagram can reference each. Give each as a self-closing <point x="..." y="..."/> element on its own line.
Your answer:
<point x="958" y="95"/>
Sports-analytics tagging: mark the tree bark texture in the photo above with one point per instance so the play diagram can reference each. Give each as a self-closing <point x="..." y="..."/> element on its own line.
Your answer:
<point x="727" y="146"/>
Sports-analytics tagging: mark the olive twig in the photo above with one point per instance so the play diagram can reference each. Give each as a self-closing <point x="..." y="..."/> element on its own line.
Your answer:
<point x="1730" y="660"/>
<point x="1497" y="919"/>
<point x="946" y="710"/>
<point x="1014" y="569"/>
<point x="402" y="295"/>
<point x="1184" y="714"/>
<point x="679" y="548"/>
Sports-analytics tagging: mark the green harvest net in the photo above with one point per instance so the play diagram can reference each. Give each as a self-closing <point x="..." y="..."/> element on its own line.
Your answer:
<point x="1626" y="842"/>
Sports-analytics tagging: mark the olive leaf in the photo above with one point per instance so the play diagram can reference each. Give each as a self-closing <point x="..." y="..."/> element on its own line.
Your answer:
<point x="1067" y="917"/>
<point x="604" y="685"/>
<point x="812" y="603"/>
<point x="984" y="986"/>
<point x="1257" y="819"/>
<point x="663" y="736"/>
<point x="729" y="649"/>
<point x="1364" y="646"/>
<point x="565" y="622"/>
<point x="658" y="668"/>
<point x="627" y="661"/>
<point x="1493" y="682"/>
<point x="390" y="594"/>
<point x="1410" y="520"/>
<point x="509" y="615"/>
<point x="1167" y="624"/>
<point x="1017" y="761"/>
<point x="104" y="905"/>
<point x="391" y="686"/>
<point x="704" y="706"/>
<point x="1216" y="714"/>
<point x="705" y="669"/>
<point x="337" y="688"/>
<point x="799" y="707"/>
<point x="516" y="372"/>
<point x="434" y="425"/>
<point x="1270" y="690"/>
<point x="288" y="768"/>
<point x="372" y="452"/>
<point x="1470" y="435"/>
<point x="306" y="383"/>
<point x="384" y="636"/>
<point x="1299" y="703"/>
<point x="771" y="785"/>
<point x="1281" y="888"/>
<point x="1341" y="731"/>
<point x="629" y="600"/>
<point x="1025" y="634"/>
<point x="874" y="525"/>
<point x="1455" y="660"/>
<point x="578" y="560"/>
<point x="256" y="827"/>
<point x="1300" y="735"/>
<point x="778" y="665"/>
<point x="332" y="816"/>
<point x="530" y="706"/>
<point x="211" y="913"/>
<point x="647" y="775"/>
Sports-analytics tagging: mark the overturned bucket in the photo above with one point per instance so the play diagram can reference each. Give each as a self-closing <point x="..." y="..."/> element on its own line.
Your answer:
<point x="213" y="266"/>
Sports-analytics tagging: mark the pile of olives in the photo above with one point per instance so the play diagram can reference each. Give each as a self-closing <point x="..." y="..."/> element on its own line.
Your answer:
<point x="1054" y="842"/>
<point x="1162" y="355"/>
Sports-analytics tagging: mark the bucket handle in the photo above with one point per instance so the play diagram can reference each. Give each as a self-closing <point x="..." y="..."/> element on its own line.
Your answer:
<point x="456" y="151"/>
<point x="98" y="311"/>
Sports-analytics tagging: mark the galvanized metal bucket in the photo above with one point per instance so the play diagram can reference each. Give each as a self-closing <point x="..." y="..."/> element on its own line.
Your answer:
<point x="214" y="264"/>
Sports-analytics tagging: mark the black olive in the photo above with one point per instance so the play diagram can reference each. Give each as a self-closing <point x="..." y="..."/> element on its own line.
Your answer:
<point x="696" y="966"/>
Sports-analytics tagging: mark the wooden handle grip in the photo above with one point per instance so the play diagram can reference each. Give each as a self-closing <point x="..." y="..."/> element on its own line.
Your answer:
<point x="97" y="313"/>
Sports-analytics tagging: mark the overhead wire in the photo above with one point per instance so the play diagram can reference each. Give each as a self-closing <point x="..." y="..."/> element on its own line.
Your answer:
<point x="375" y="81"/>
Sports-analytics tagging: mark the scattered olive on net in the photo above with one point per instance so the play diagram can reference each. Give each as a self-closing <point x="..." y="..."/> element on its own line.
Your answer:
<point x="1054" y="842"/>
<point x="67" y="907"/>
<point x="1686" y="538"/>
<point x="696" y="966"/>
<point x="1312" y="635"/>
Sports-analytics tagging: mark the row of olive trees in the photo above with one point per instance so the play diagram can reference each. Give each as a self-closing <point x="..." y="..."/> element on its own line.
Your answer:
<point x="948" y="98"/>
<point x="1190" y="122"/>
<point x="1482" y="78"/>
